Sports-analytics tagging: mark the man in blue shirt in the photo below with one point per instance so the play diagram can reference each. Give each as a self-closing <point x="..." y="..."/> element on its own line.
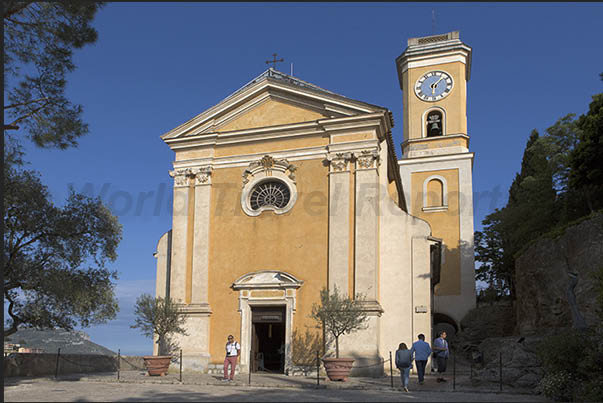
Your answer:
<point x="421" y="351"/>
<point x="440" y="347"/>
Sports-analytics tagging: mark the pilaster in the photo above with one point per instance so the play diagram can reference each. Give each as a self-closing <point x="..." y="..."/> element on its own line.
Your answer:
<point x="367" y="223"/>
<point x="339" y="219"/>
<point x="179" y="233"/>
<point x="201" y="235"/>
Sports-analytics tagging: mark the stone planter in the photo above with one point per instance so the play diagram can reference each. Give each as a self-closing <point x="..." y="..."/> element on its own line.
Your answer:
<point x="157" y="364"/>
<point x="338" y="369"/>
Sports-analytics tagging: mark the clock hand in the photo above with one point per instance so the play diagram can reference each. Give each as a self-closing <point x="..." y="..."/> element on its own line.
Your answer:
<point x="434" y="85"/>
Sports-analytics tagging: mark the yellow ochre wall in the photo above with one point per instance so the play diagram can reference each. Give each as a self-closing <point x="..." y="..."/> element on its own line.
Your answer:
<point x="454" y="104"/>
<point x="270" y="113"/>
<point x="444" y="225"/>
<point x="295" y="242"/>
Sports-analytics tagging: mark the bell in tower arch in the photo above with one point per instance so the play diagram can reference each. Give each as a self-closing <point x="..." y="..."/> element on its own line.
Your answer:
<point x="434" y="124"/>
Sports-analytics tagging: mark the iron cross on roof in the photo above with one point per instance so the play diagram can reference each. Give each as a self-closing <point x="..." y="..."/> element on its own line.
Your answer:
<point x="275" y="61"/>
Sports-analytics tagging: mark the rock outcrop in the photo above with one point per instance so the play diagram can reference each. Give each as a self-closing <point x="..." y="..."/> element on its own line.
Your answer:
<point x="487" y="320"/>
<point x="520" y="364"/>
<point x="543" y="273"/>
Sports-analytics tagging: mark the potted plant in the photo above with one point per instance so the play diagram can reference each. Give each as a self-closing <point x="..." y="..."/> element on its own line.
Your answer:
<point x="159" y="317"/>
<point x="339" y="315"/>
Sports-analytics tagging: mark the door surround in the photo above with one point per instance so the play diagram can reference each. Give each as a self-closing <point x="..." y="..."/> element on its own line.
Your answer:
<point x="264" y="289"/>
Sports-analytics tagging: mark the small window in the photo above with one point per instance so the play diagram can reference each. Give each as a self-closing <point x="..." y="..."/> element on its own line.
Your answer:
<point x="270" y="194"/>
<point x="435" y="193"/>
<point x="435" y="196"/>
<point x="434" y="125"/>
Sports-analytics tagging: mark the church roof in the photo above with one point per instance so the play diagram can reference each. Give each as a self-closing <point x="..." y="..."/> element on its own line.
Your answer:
<point x="274" y="75"/>
<point x="277" y="75"/>
<point x="277" y="78"/>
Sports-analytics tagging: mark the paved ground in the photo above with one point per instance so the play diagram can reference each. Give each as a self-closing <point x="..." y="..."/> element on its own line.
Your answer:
<point x="41" y="389"/>
<point x="135" y="386"/>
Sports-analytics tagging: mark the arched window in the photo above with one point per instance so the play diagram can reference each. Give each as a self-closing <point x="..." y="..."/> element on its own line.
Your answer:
<point x="434" y="124"/>
<point x="435" y="191"/>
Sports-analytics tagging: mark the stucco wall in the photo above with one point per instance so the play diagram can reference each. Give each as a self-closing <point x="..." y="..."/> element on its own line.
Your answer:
<point x="445" y="225"/>
<point x="454" y="104"/>
<point x="294" y="242"/>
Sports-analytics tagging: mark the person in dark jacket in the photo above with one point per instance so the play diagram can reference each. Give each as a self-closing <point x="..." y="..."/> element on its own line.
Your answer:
<point x="404" y="364"/>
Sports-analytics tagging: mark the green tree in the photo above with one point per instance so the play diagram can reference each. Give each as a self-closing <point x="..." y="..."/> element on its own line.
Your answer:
<point x="339" y="314"/>
<point x="496" y="257"/>
<point x="39" y="39"/>
<point x="586" y="176"/>
<point x="55" y="258"/>
<point x="530" y="211"/>
<point x="161" y="317"/>
<point x="559" y="142"/>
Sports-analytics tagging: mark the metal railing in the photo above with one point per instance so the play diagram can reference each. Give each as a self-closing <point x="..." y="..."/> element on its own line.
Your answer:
<point x="470" y="372"/>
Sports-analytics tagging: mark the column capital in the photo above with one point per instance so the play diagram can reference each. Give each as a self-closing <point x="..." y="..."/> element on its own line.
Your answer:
<point x="202" y="176"/>
<point x="340" y="162"/>
<point x="367" y="159"/>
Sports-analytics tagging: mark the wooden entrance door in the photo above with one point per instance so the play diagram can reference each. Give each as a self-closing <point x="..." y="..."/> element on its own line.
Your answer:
<point x="254" y="349"/>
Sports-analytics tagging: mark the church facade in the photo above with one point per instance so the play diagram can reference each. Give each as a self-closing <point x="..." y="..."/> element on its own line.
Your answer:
<point x="285" y="188"/>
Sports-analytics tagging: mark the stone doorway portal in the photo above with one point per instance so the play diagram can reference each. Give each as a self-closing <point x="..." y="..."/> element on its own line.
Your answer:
<point x="268" y="339"/>
<point x="265" y="289"/>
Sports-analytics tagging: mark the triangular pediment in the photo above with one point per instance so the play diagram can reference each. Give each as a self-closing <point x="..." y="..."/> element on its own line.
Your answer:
<point x="267" y="279"/>
<point x="271" y="99"/>
<point x="270" y="110"/>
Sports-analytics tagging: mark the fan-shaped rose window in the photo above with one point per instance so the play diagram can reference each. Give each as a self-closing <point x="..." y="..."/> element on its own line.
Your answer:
<point x="270" y="194"/>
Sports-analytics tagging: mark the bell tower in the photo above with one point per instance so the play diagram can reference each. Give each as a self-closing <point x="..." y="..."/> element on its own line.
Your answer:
<point x="436" y="165"/>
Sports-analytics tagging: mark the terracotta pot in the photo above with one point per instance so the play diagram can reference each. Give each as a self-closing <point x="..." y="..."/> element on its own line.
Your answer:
<point x="338" y="369"/>
<point x="157" y="364"/>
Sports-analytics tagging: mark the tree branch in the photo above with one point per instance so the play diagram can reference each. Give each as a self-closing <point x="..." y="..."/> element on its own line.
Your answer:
<point x="30" y="113"/>
<point x="27" y="24"/>
<point x="26" y="103"/>
<point x="16" y="320"/>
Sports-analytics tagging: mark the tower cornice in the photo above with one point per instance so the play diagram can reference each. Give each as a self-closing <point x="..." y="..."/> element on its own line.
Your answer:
<point x="434" y="49"/>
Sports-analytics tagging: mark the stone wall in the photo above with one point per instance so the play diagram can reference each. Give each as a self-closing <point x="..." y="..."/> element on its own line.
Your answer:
<point x="542" y="277"/>
<point x="32" y="364"/>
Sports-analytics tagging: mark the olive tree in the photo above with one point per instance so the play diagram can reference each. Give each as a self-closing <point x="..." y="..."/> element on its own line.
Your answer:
<point x="339" y="314"/>
<point x="162" y="317"/>
<point x="56" y="258"/>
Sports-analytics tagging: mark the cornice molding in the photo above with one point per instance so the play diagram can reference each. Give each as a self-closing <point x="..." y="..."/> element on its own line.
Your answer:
<point x="377" y="121"/>
<point x="430" y="139"/>
<point x="337" y="103"/>
<point x="438" y="158"/>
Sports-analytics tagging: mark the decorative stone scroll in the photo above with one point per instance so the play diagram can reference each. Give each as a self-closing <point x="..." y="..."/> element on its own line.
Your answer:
<point x="266" y="166"/>
<point x="339" y="161"/>
<point x="201" y="175"/>
<point x="367" y="159"/>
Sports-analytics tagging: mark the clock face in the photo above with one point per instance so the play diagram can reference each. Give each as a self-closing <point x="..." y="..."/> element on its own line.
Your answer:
<point x="433" y="86"/>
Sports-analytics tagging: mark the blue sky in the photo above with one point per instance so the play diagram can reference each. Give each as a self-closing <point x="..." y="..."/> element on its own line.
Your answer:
<point x="156" y="65"/>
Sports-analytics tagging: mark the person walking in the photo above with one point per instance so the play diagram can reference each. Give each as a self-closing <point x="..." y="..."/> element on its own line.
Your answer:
<point x="233" y="350"/>
<point x="440" y="347"/>
<point x="404" y="364"/>
<point x="420" y="351"/>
